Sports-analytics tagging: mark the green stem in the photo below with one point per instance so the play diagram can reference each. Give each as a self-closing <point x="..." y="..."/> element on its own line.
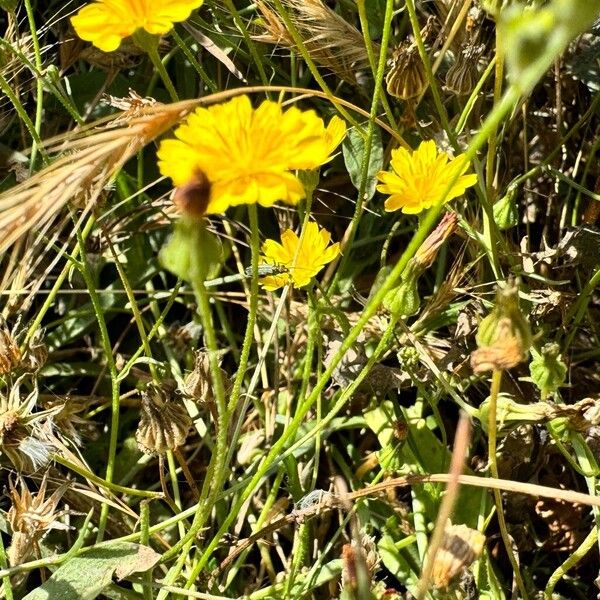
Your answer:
<point x="6" y="584"/>
<point x="162" y="71"/>
<point x="364" y="25"/>
<point x="256" y="57"/>
<point x="112" y="370"/>
<point x="39" y="101"/>
<point x="571" y="561"/>
<point x="144" y="540"/>
<point x="210" y="84"/>
<point x="364" y="174"/>
<point x="492" y="433"/>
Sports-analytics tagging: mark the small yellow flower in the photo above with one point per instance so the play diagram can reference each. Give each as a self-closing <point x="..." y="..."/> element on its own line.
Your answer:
<point x="248" y="154"/>
<point x="419" y="179"/>
<point x="106" y="22"/>
<point x="304" y="257"/>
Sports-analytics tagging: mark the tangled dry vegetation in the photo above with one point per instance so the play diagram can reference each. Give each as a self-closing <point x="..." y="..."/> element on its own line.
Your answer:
<point x="422" y="422"/>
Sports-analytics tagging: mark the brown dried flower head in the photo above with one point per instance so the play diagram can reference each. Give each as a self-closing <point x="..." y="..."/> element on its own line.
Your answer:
<point x="26" y="437"/>
<point x="464" y="73"/>
<point x="198" y="383"/>
<point x="164" y="423"/>
<point x="30" y="517"/>
<point x="10" y="354"/>
<point x="461" y="546"/>
<point x="406" y="78"/>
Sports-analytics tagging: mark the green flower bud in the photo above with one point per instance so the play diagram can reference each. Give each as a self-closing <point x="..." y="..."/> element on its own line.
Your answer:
<point x="548" y="371"/>
<point x="506" y="214"/>
<point x="192" y="253"/>
<point x="404" y="300"/>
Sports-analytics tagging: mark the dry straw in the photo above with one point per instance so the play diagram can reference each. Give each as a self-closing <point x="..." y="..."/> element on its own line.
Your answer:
<point x="330" y="40"/>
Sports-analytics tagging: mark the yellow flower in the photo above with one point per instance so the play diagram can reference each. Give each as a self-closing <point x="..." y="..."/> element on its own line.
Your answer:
<point x="303" y="256"/>
<point x="248" y="154"/>
<point x="106" y="22"/>
<point x="418" y="181"/>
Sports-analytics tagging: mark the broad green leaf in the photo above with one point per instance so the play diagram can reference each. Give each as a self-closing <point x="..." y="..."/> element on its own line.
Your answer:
<point x="85" y="576"/>
<point x="354" y="150"/>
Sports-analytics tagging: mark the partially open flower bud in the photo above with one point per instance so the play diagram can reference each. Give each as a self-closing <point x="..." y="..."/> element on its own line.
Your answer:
<point x="404" y="300"/>
<point x="164" y="424"/>
<point x="548" y="371"/>
<point x="506" y="213"/>
<point x="504" y="336"/>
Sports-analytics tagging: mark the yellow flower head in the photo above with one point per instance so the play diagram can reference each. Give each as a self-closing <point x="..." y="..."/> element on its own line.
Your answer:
<point x="106" y="22"/>
<point x="303" y="256"/>
<point x="247" y="154"/>
<point x="419" y="179"/>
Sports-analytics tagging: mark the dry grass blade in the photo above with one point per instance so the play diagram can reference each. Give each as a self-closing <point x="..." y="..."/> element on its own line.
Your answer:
<point x="89" y="159"/>
<point x="330" y="40"/>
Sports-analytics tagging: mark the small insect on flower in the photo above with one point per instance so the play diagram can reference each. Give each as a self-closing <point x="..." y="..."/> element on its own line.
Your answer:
<point x="106" y="23"/>
<point x="303" y="257"/>
<point x="419" y="180"/>
<point x="192" y="198"/>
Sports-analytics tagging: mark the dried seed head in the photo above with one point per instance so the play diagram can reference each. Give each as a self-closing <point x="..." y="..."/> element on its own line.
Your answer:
<point x="406" y="77"/>
<point x="30" y="517"/>
<point x="36" y="353"/>
<point x="164" y="424"/>
<point x="464" y="73"/>
<point x="198" y="383"/>
<point x="10" y="355"/>
<point x="460" y="547"/>
<point x="26" y="437"/>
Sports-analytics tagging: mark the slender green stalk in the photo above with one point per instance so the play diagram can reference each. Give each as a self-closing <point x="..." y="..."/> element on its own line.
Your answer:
<point x="293" y="31"/>
<point x="144" y="540"/>
<point x="364" y="25"/>
<point x="35" y="136"/>
<point x="210" y="84"/>
<point x="570" y="562"/>
<point x="113" y="373"/>
<point x="256" y="57"/>
<point x="39" y="84"/>
<point x="364" y="173"/>
<point x="492" y="433"/>
<point x="152" y="51"/>
<point x="6" y="584"/>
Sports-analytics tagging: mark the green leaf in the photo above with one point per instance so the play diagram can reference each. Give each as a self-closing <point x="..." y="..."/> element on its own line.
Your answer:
<point x="354" y="149"/>
<point x="86" y="576"/>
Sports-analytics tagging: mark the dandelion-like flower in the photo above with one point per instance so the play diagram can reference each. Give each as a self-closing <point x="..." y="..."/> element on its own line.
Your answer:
<point x="419" y="180"/>
<point x="247" y="154"/>
<point x="302" y="256"/>
<point x="106" y="22"/>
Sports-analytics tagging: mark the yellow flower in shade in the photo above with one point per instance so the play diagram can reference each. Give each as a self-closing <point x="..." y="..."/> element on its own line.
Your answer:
<point x="418" y="180"/>
<point x="303" y="256"/>
<point x="106" y="22"/>
<point x="248" y="154"/>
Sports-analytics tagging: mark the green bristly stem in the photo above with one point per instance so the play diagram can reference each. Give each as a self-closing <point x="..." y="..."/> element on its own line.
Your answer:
<point x="364" y="175"/>
<point x="39" y="84"/>
<point x="492" y="435"/>
<point x="6" y="584"/>
<point x="149" y="44"/>
<point x="113" y="373"/>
